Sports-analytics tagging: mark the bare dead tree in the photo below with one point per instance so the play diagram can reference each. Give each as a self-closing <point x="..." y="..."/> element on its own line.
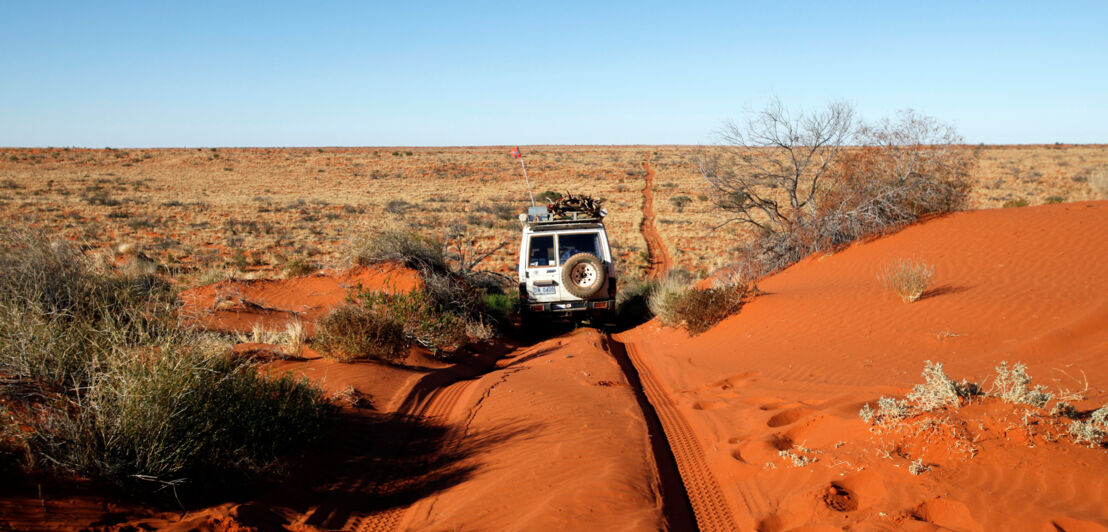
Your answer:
<point x="769" y="170"/>
<point x="904" y="168"/>
<point x="811" y="182"/>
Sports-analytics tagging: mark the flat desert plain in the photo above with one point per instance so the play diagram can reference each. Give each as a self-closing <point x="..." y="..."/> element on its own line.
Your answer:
<point x="760" y="423"/>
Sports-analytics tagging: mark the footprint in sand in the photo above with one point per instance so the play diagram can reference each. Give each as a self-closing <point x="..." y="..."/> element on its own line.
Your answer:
<point x="855" y="492"/>
<point x="707" y="405"/>
<point x="947" y="513"/>
<point x="759" y="451"/>
<point x="788" y="417"/>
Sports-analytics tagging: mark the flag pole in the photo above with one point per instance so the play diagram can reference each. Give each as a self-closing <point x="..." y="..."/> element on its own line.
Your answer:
<point x="528" y="181"/>
<point x="525" y="179"/>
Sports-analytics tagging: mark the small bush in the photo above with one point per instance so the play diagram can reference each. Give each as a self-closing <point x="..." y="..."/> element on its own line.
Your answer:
<point x="1091" y="432"/>
<point x="398" y="207"/>
<point x="680" y="202"/>
<point x="550" y="196"/>
<point x="411" y="248"/>
<point x="353" y="332"/>
<point x="183" y="411"/>
<point x="1051" y="200"/>
<point x="1016" y="203"/>
<point x="383" y="326"/>
<point x="299" y="267"/>
<point x="907" y="278"/>
<point x="698" y="309"/>
<point x="701" y="309"/>
<point x="502" y="306"/>
<point x="1011" y="385"/>
<point x="663" y="298"/>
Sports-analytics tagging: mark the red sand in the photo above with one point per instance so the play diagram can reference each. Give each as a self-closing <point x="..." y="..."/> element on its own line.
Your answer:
<point x="240" y="304"/>
<point x="551" y="436"/>
<point x="795" y="365"/>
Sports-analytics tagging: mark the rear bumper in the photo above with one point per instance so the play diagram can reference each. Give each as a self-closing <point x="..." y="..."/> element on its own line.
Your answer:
<point x="570" y="307"/>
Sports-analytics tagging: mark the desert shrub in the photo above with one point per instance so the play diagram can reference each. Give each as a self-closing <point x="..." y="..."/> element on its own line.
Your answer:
<point x="299" y="267"/>
<point x="937" y="391"/>
<point x="675" y="303"/>
<point x="183" y="410"/>
<point x="680" y="202"/>
<point x="789" y="178"/>
<point x="663" y="297"/>
<point x="501" y="307"/>
<point x="108" y="385"/>
<point x="549" y="196"/>
<point x="1015" y="203"/>
<point x="406" y="246"/>
<point x="1092" y="431"/>
<point x="383" y="326"/>
<point x="700" y="309"/>
<point x="398" y="207"/>
<point x="353" y="332"/>
<point x="1012" y="386"/>
<point x="1052" y="200"/>
<point x="907" y="278"/>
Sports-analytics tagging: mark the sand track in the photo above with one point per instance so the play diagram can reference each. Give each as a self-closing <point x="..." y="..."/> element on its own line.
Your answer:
<point x="432" y="400"/>
<point x="659" y="260"/>
<point x="702" y="490"/>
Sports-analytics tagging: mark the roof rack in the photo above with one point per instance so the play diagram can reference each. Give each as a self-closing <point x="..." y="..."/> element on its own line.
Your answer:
<point x="541" y="216"/>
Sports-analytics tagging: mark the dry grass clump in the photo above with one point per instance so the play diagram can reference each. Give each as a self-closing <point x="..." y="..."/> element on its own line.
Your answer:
<point x="698" y="309"/>
<point x="409" y="247"/>
<point x="383" y="326"/>
<point x="352" y="332"/>
<point x="99" y="380"/>
<point x="292" y="338"/>
<point x="1092" y="431"/>
<point x="1011" y="384"/>
<point x="938" y="391"/>
<point x="907" y="278"/>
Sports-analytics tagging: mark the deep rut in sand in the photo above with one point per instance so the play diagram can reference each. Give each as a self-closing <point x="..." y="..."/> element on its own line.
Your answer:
<point x="695" y="484"/>
<point x="658" y="256"/>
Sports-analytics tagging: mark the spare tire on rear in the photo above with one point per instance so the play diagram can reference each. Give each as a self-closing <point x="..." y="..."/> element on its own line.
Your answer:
<point x="583" y="275"/>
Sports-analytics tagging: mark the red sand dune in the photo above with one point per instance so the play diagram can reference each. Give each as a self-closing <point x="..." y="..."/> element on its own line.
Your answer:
<point x="237" y="305"/>
<point x="796" y="364"/>
<point x="556" y="436"/>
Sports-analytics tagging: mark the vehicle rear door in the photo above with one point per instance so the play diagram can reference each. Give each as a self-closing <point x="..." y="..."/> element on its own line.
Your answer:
<point x="543" y="281"/>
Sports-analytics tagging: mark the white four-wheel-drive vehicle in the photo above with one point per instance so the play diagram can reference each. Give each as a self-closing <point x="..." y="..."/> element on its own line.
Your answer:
<point x="565" y="265"/>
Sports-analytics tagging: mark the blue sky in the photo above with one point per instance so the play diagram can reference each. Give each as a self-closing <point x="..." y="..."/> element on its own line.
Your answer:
<point x="153" y="74"/>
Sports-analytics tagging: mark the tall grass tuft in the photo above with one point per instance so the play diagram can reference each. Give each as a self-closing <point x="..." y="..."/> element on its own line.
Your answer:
<point x="102" y="381"/>
<point x="907" y="278"/>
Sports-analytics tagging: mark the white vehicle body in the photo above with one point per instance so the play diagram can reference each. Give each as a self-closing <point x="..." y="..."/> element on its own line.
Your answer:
<point x="547" y="248"/>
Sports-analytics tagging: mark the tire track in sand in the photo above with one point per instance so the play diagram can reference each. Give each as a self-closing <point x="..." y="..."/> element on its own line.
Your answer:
<point x="433" y="400"/>
<point x="704" y="494"/>
<point x="658" y="255"/>
<point x="434" y="405"/>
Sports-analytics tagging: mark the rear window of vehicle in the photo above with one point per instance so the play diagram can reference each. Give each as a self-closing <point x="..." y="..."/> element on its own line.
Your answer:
<point x="570" y="245"/>
<point x="541" y="252"/>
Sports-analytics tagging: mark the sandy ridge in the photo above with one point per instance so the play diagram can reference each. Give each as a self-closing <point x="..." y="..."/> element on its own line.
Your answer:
<point x="660" y="262"/>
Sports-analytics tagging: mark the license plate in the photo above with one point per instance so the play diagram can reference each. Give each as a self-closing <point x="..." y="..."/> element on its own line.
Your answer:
<point x="544" y="290"/>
